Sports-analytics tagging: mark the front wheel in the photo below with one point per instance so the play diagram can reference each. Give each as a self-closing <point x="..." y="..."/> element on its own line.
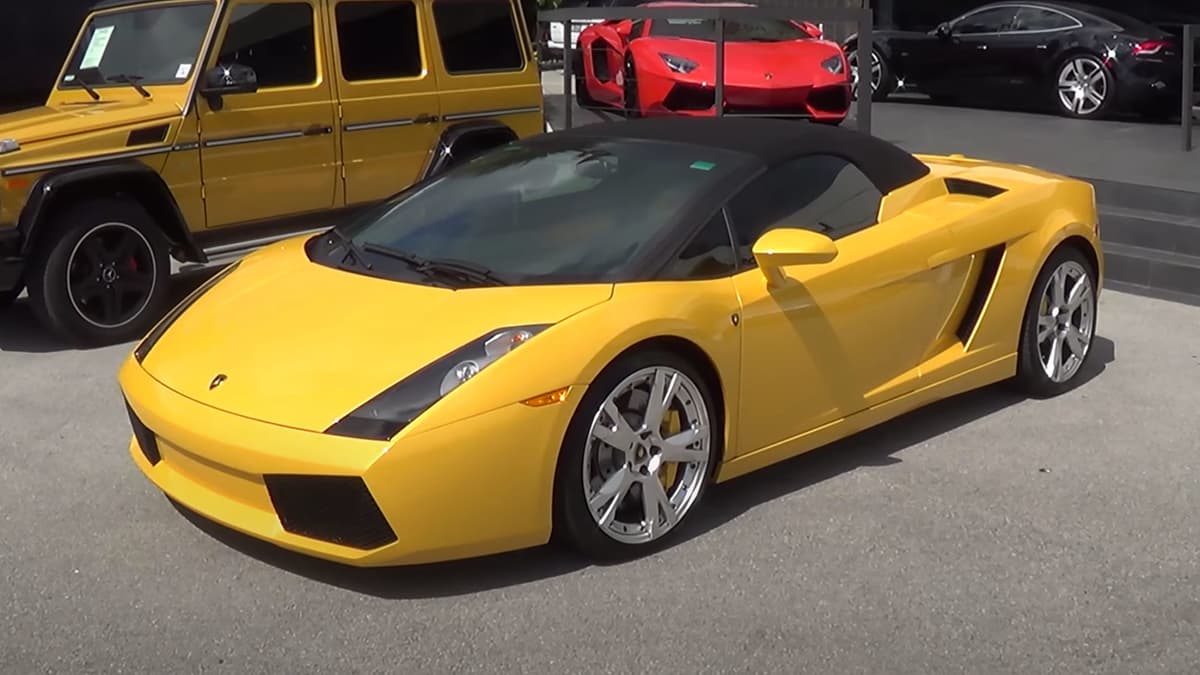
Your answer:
<point x="881" y="75"/>
<point x="1059" y="325"/>
<point x="100" y="272"/>
<point x="1083" y="87"/>
<point x="637" y="457"/>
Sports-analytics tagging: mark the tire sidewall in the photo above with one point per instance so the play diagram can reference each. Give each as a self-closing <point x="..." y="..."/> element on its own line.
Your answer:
<point x="573" y="524"/>
<point x="1032" y="379"/>
<point x="48" y="287"/>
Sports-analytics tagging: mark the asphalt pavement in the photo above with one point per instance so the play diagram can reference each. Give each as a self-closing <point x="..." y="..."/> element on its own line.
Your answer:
<point x="982" y="534"/>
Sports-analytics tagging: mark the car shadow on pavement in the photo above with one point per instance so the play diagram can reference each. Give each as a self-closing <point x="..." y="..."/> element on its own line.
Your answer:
<point x="724" y="503"/>
<point x="20" y="331"/>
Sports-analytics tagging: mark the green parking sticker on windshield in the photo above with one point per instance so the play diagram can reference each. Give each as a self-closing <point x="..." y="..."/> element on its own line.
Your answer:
<point x="703" y="166"/>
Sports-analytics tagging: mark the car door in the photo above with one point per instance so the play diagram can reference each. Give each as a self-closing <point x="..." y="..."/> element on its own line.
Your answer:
<point x="841" y="336"/>
<point x="974" y="69"/>
<point x="604" y="60"/>
<point x="388" y="95"/>
<point x="1037" y="37"/>
<point x="271" y="153"/>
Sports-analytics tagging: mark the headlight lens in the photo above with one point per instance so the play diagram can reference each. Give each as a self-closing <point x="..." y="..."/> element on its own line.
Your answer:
<point x="396" y="407"/>
<point x="833" y="64"/>
<point x="678" y="63"/>
<point x="172" y="316"/>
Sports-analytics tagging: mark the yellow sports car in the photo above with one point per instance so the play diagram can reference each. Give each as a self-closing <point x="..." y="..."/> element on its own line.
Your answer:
<point x="575" y="334"/>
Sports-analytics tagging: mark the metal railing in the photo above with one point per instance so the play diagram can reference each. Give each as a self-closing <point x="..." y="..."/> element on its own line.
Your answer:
<point x="814" y="11"/>
<point x="1187" y="83"/>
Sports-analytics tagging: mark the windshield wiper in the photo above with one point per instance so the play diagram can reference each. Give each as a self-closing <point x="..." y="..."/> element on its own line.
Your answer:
<point x="88" y="88"/>
<point x="443" y="266"/>
<point x="131" y="80"/>
<point x="352" y="249"/>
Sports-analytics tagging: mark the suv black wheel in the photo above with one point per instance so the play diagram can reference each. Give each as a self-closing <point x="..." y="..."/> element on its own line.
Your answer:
<point x="100" y="272"/>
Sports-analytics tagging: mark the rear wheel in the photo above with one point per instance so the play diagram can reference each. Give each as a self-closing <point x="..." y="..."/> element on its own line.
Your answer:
<point x="881" y="75"/>
<point x="1084" y="87"/>
<point x="637" y="457"/>
<point x="100" y="272"/>
<point x="1059" y="325"/>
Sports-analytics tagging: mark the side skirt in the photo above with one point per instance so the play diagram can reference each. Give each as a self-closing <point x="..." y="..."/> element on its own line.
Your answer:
<point x="981" y="376"/>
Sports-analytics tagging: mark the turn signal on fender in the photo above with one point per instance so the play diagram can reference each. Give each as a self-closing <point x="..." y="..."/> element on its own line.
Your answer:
<point x="549" y="398"/>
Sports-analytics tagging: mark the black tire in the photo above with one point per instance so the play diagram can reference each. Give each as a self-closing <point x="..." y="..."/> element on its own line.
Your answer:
<point x="574" y="525"/>
<point x="633" y="106"/>
<point x="886" y="82"/>
<point x="1031" y="378"/>
<point x="87" y="254"/>
<point x="1109" y="84"/>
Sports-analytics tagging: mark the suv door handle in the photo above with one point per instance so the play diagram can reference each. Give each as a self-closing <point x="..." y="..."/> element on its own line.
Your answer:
<point x="425" y="118"/>
<point x="317" y="130"/>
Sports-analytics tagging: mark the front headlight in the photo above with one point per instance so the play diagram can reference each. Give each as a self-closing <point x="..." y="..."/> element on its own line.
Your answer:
<point x="678" y="63"/>
<point x="396" y="407"/>
<point x="833" y="64"/>
<point x="157" y="332"/>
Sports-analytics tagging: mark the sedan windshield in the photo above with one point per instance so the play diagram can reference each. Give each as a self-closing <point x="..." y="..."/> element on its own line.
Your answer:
<point x="151" y="45"/>
<point x="545" y="210"/>
<point x="757" y="30"/>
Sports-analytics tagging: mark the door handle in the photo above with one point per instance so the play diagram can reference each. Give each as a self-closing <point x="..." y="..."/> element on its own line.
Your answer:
<point x="983" y="47"/>
<point x="317" y="130"/>
<point x="1041" y="46"/>
<point x="425" y="118"/>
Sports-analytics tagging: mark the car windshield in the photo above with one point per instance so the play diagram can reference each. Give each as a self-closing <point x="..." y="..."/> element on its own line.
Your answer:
<point x="150" y="45"/>
<point x="757" y="30"/>
<point x="550" y="210"/>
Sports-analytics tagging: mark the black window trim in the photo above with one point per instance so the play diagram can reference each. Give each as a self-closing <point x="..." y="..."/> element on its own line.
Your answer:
<point x="422" y="42"/>
<point x="218" y="46"/>
<point x="1016" y="7"/>
<point x="518" y="34"/>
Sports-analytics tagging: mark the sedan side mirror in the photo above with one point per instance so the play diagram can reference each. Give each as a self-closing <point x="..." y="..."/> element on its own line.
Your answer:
<point x="786" y="246"/>
<point x="225" y="80"/>
<point x="942" y="30"/>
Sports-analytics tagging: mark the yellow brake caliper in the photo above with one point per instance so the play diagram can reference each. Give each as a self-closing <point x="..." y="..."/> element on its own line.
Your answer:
<point x="671" y="426"/>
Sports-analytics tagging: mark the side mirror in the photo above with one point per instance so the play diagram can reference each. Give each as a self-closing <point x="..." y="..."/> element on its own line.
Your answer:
<point x="942" y="30"/>
<point x="225" y="80"/>
<point x="786" y="246"/>
<point x="812" y="30"/>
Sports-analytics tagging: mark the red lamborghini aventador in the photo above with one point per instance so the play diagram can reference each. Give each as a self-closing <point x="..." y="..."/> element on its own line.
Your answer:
<point x="773" y="67"/>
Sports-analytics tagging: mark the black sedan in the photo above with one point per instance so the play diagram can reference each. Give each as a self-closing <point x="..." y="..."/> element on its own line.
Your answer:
<point x="1084" y="61"/>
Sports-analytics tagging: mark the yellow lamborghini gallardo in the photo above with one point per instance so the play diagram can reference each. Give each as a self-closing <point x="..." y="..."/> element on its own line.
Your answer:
<point x="576" y="334"/>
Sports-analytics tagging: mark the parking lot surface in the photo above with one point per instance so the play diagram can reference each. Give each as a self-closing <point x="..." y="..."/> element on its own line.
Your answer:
<point x="983" y="534"/>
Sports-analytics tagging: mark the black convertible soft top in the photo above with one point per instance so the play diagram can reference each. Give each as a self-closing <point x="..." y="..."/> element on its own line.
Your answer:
<point x="772" y="141"/>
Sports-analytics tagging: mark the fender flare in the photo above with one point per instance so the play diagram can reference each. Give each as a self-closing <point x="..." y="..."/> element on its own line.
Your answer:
<point x="443" y="151"/>
<point x="132" y="177"/>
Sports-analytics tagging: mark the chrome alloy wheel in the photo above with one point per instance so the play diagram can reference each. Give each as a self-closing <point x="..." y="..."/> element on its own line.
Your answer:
<point x="1065" y="321"/>
<point x="1082" y="85"/>
<point x="876" y="71"/>
<point x="647" y="455"/>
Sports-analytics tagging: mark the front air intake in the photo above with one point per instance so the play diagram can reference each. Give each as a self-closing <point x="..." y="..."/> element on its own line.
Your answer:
<point x="336" y="509"/>
<point x="146" y="439"/>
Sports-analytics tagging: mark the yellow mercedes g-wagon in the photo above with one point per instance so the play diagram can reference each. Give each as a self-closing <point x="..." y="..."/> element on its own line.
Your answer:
<point x="197" y="129"/>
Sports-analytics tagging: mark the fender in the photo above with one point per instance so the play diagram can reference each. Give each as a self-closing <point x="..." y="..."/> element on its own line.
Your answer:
<point x="443" y="153"/>
<point x="129" y="176"/>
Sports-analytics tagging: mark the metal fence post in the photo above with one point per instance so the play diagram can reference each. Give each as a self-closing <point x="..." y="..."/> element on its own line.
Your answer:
<point x="864" y="81"/>
<point x="568" y="80"/>
<point x="719" y="93"/>
<point x="1189" y="72"/>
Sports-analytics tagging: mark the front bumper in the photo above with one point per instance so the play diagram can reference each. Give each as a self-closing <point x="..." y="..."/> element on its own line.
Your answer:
<point x="463" y="490"/>
<point x="12" y="265"/>
<point x="818" y="101"/>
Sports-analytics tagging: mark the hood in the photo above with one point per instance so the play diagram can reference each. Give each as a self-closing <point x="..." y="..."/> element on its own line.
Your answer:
<point x="748" y="61"/>
<point x="301" y="344"/>
<point x="34" y="125"/>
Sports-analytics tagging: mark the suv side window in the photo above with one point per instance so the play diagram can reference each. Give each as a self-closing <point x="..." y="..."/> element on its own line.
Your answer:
<point x="277" y="40"/>
<point x="378" y="40"/>
<point x="822" y="193"/>
<point x="478" y="36"/>
<point x="708" y="255"/>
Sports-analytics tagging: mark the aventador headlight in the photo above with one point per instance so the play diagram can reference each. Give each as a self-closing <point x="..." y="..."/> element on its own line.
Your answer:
<point x="157" y="332"/>
<point x="678" y="63"/>
<point x="833" y="64"/>
<point x="396" y="407"/>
